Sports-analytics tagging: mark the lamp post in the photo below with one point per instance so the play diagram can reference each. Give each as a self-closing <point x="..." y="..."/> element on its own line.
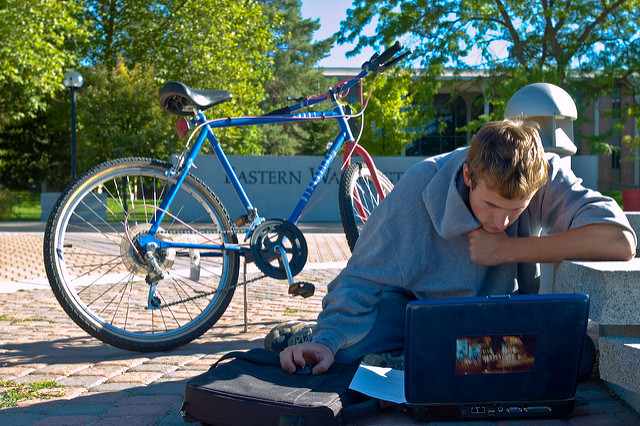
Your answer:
<point x="74" y="81"/>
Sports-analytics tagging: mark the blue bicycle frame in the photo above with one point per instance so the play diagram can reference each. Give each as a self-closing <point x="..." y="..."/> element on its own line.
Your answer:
<point x="206" y="133"/>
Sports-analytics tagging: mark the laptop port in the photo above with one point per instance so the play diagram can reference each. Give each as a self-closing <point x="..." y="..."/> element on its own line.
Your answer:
<point x="514" y="410"/>
<point x="542" y="409"/>
<point x="478" y="410"/>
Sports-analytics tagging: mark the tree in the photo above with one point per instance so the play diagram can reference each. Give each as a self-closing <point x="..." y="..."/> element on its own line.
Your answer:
<point x="207" y="44"/>
<point x="38" y="150"/>
<point x="387" y="126"/>
<point x="38" y="41"/>
<point x="294" y="58"/>
<point x="582" y="46"/>
<point x="119" y="116"/>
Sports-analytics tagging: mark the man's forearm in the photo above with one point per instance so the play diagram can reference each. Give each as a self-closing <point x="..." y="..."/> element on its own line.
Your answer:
<point x="592" y="242"/>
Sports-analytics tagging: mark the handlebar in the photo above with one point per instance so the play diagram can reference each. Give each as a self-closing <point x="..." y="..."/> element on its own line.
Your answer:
<point x="377" y="63"/>
<point x="380" y="63"/>
<point x="388" y="54"/>
<point x="394" y="61"/>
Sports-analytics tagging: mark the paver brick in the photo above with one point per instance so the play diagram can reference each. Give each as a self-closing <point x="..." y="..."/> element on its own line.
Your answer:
<point x="152" y="366"/>
<point x="74" y="420"/>
<point x="62" y="369"/>
<point x="108" y="386"/>
<point x="139" y="377"/>
<point x="85" y="382"/>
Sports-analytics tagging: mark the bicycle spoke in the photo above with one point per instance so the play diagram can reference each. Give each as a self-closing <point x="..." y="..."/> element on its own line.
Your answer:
<point x="358" y="197"/>
<point x="100" y="273"/>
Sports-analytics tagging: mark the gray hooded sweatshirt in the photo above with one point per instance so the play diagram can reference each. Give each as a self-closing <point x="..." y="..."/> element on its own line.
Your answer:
<point x="417" y="239"/>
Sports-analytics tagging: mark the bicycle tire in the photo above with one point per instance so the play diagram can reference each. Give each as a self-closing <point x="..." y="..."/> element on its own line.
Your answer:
<point x="97" y="278"/>
<point x="354" y="212"/>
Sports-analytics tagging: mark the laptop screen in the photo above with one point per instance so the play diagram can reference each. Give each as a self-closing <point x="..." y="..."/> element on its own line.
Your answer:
<point x="495" y="354"/>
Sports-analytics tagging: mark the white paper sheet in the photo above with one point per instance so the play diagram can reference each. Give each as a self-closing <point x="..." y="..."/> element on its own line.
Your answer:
<point x="386" y="384"/>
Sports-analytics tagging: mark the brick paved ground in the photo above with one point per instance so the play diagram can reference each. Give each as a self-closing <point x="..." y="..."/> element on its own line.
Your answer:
<point x="102" y="385"/>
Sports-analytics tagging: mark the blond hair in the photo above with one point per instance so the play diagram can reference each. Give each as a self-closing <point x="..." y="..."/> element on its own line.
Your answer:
<point x="508" y="156"/>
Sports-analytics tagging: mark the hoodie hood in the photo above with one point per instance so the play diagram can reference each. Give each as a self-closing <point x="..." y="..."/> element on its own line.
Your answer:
<point x="449" y="209"/>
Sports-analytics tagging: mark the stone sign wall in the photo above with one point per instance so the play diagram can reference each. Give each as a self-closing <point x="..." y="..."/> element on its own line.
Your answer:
<point x="274" y="184"/>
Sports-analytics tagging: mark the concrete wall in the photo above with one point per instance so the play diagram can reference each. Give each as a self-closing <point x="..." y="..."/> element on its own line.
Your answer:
<point x="274" y="184"/>
<point x="586" y="167"/>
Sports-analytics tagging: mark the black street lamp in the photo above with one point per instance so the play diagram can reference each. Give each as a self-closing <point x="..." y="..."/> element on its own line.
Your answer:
<point x="74" y="81"/>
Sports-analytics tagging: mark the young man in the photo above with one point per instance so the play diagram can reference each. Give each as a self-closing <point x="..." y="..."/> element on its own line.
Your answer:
<point x="461" y="224"/>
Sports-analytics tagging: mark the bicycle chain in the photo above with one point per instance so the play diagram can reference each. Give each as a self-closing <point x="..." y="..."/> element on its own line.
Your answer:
<point x="233" y="287"/>
<point x="233" y="231"/>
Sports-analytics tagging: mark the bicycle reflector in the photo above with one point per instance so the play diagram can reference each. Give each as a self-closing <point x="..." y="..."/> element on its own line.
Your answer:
<point x="182" y="127"/>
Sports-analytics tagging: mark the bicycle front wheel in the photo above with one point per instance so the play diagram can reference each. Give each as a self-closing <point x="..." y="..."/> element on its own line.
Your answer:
<point x="99" y="276"/>
<point x="357" y="197"/>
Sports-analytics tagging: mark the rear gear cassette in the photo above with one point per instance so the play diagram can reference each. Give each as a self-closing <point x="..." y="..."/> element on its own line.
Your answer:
<point x="267" y="240"/>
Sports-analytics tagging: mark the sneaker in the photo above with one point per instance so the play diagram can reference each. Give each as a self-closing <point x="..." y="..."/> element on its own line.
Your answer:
<point x="391" y="359"/>
<point x="287" y="334"/>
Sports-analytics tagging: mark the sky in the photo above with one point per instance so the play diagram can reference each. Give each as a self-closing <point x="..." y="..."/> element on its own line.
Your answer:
<point x="331" y="13"/>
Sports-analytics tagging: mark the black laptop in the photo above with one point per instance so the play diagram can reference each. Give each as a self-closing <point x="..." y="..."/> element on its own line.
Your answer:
<point x="494" y="357"/>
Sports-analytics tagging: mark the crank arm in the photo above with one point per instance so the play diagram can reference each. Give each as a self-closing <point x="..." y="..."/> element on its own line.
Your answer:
<point x="301" y="288"/>
<point x="284" y="262"/>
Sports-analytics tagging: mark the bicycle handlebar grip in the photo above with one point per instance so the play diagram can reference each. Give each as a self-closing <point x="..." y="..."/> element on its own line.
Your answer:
<point x="396" y="60"/>
<point x="388" y="54"/>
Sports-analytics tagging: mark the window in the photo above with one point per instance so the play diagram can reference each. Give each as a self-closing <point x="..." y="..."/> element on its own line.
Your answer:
<point x="440" y="135"/>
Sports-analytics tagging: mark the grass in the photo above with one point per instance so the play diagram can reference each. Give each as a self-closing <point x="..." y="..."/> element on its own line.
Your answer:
<point x="25" y="205"/>
<point x="19" y="205"/>
<point x="12" y="392"/>
<point x="16" y="320"/>
<point x="616" y="195"/>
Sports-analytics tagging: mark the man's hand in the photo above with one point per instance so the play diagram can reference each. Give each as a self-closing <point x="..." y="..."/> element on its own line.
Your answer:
<point x="316" y="355"/>
<point x="486" y="248"/>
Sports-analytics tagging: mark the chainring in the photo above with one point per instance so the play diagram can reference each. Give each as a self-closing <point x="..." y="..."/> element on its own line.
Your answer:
<point x="266" y="239"/>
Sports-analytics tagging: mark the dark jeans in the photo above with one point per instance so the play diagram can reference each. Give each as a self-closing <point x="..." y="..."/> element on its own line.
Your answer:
<point x="387" y="332"/>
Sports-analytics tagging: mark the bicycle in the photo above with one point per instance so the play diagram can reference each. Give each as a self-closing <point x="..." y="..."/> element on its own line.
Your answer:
<point x="143" y="255"/>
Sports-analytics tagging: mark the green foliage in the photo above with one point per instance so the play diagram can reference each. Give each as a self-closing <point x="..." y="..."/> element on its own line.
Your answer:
<point x="584" y="46"/>
<point x="128" y="51"/>
<point x="206" y="44"/>
<point x="38" y="41"/>
<point x="19" y="205"/>
<point x="387" y="117"/>
<point x="632" y="142"/>
<point x="616" y="195"/>
<point x="119" y="116"/>
<point x="295" y="76"/>
<point x="37" y="150"/>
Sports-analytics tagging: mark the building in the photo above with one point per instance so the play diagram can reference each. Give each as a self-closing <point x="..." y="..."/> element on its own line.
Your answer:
<point x="595" y="122"/>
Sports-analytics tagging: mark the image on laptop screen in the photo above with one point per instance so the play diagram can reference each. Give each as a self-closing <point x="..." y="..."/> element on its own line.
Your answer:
<point x="497" y="354"/>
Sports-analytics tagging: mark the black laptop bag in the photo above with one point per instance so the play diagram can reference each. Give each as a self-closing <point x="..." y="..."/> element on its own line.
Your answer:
<point x="250" y="388"/>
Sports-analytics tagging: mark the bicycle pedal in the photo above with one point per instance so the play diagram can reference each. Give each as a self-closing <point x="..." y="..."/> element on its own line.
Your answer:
<point x="302" y="288"/>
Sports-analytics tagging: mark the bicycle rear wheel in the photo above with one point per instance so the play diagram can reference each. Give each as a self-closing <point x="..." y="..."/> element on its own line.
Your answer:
<point x="357" y="197"/>
<point x="99" y="276"/>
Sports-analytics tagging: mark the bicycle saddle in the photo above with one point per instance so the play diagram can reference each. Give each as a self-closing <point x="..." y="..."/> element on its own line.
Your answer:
<point x="179" y="99"/>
